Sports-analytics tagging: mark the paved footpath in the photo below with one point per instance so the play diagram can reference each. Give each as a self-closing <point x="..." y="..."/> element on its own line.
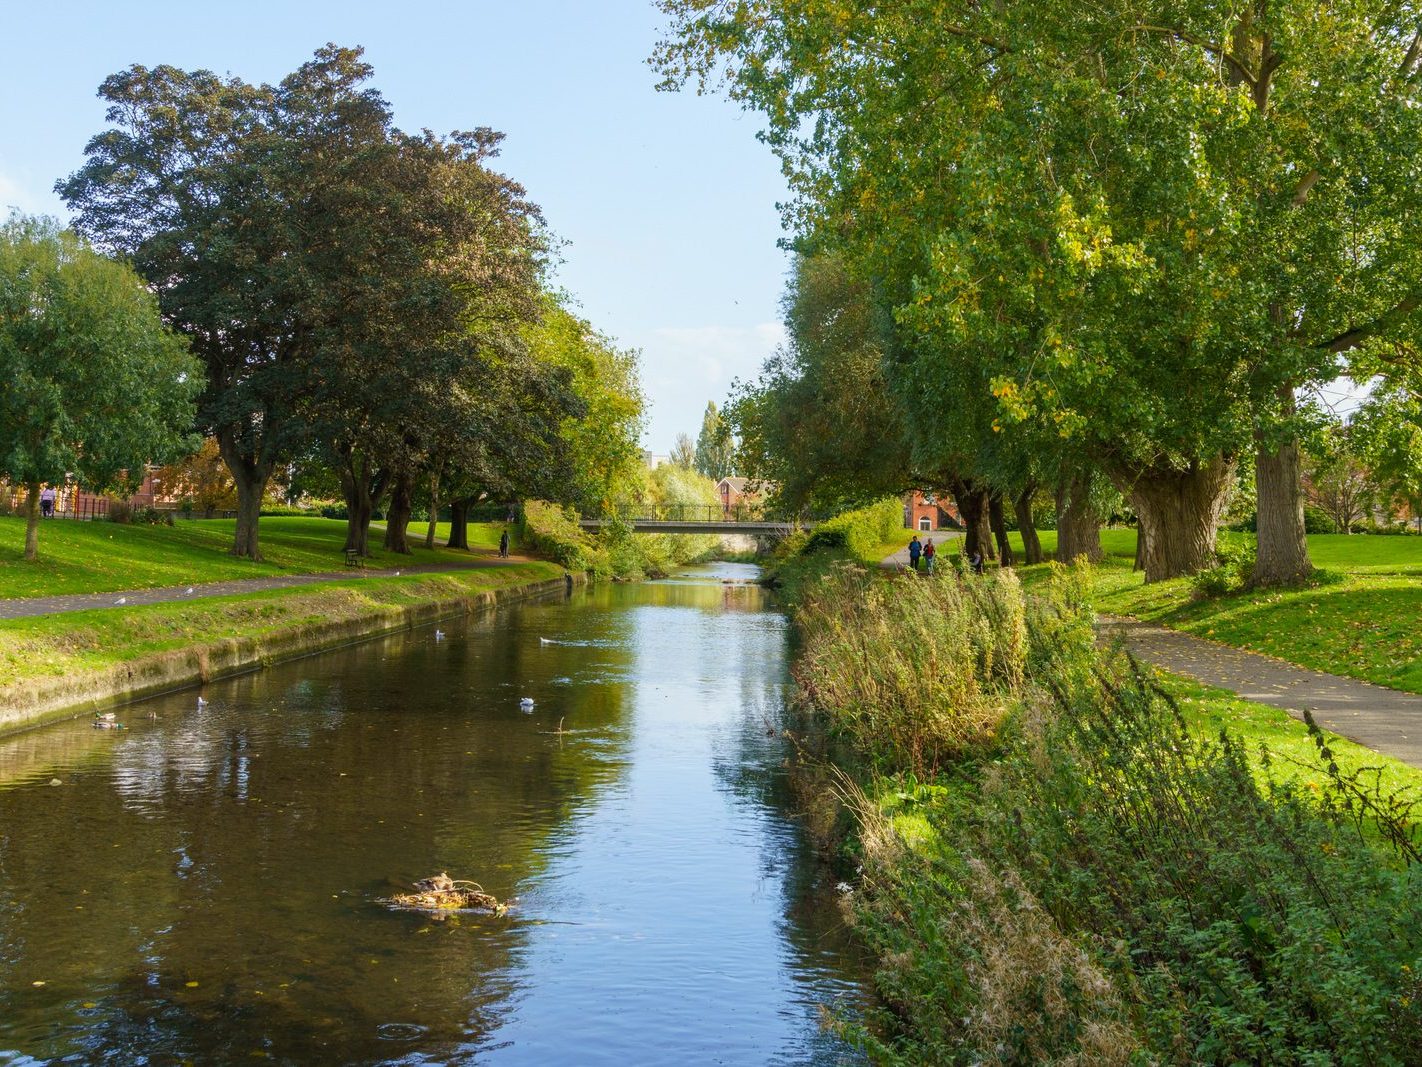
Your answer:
<point x="1384" y="720"/>
<point x="28" y="607"/>
<point x="942" y="541"/>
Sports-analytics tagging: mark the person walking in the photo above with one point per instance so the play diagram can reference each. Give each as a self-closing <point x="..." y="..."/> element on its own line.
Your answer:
<point x="504" y="544"/>
<point x="47" y="502"/>
<point x="915" y="550"/>
<point x="929" y="554"/>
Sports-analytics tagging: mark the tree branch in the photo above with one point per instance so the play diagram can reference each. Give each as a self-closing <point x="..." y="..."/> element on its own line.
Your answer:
<point x="1240" y="70"/>
<point x="1357" y="335"/>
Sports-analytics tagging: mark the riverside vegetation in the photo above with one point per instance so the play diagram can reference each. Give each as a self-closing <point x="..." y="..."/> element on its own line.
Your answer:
<point x="1057" y="864"/>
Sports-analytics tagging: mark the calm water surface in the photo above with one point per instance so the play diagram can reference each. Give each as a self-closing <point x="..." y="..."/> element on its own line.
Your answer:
<point x="205" y="885"/>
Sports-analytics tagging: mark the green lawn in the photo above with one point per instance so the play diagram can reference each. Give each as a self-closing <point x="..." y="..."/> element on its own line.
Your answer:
<point x="481" y="534"/>
<point x="1360" y="617"/>
<point x="89" y="557"/>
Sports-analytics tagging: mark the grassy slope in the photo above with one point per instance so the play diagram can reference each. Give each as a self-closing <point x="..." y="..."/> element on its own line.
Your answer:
<point x="88" y="640"/>
<point x="1358" y="618"/>
<point x="89" y="557"/>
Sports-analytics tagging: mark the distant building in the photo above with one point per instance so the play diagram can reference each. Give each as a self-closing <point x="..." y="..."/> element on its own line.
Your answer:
<point x="738" y="494"/>
<point x="653" y="460"/>
<point x="926" y="511"/>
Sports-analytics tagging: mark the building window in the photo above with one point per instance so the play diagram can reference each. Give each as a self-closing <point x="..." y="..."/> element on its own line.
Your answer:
<point x="925" y="523"/>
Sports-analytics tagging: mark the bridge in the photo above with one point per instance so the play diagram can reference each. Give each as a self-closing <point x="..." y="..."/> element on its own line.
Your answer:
<point x="702" y="519"/>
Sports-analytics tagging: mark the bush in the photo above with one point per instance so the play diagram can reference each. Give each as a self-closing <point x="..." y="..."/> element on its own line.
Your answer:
<point x="861" y="531"/>
<point x="1318" y="521"/>
<point x="1233" y="569"/>
<point x="334" y="511"/>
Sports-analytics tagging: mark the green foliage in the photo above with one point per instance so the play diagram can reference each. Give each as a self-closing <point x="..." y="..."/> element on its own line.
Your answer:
<point x="1094" y="882"/>
<point x="94" y="385"/>
<point x="715" y="447"/>
<point x="820" y="423"/>
<point x="604" y="437"/>
<point x="1318" y="521"/>
<point x="860" y="532"/>
<point x="1233" y="569"/>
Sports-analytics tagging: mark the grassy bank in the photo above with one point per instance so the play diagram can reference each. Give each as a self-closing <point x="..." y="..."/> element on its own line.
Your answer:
<point x="866" y="535"/>
<point x="96" y="557"/>
<point x="1357" y="617"/>
<point x="1062" y="861"/>
<point x="80" y="641"/>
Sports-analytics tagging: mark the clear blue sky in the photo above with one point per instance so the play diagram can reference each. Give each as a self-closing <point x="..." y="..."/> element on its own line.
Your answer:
<point x="667" y="199"/>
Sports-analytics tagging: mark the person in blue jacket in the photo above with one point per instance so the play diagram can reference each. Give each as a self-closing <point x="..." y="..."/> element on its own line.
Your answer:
<point x="915" y="550"/>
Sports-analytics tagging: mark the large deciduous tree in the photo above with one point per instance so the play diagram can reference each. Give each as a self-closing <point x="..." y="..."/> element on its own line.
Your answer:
<point x="92" y="384"/>
<point x="1146" y="225"/>
<point x="301" y="242"/>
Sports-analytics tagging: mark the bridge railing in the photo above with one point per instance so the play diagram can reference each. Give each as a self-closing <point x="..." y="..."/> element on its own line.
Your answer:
<point x="710" y="514"/>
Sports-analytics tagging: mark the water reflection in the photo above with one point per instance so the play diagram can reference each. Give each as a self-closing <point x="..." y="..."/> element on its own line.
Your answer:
<point x="205" y="885"/>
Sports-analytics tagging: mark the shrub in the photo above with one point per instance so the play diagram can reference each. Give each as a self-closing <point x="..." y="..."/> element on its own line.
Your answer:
<point x="861" y="531"/>
<point x="1233" y="569"/>
<point x="1318" y="521"/>
<point x="1103" y="885"/>
<point x="120" y="511"/>
<point x="334" y="511"/>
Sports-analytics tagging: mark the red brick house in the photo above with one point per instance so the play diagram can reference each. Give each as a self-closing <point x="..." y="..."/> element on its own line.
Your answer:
<point x="926" y="511"/>
<point x="738" y="494"/>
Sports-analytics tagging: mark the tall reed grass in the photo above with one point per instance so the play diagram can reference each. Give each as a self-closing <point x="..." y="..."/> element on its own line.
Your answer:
<point x="1105" y="886"/>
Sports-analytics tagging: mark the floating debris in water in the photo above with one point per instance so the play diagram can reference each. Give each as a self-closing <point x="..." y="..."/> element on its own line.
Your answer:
<point x="439" y="635"/>
<point x="526" y="703"/>
<point x="55" y="781"/>
<point x="443" y="893"/>
<point x="201" y="702"/>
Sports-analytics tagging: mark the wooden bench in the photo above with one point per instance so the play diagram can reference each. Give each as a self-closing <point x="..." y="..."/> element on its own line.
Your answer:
<point x="354" y="558"/>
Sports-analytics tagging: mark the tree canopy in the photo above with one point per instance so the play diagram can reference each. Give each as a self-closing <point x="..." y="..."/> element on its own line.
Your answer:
<point x="1126" y="234"/>
<point x="93" y="386"/>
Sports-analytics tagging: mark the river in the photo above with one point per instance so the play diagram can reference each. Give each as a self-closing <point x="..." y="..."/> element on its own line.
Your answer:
<point x="207" y="885"/>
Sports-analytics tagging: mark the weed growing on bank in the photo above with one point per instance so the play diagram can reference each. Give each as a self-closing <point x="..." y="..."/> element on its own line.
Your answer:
<point x="1102" y="886"/>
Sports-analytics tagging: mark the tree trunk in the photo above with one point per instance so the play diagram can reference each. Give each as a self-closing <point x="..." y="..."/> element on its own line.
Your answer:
<point x="1078" y="525"/>
<point x="249" y="475"/>
<point x="973" y="508"/>
<point x="397" y="518"/>
<point x="249" y="509"/>
<point x="1179" y="514"/>
<point x="360" y="502"/>
<point x="1022" y="508"/>
<point x="459" y="524"/>
<point x="32" y="514"/>
<point x="1283" y="547"/>
<point x="434" y="509"/>
<point x="999" y="527"/>
<point x="1139" y="563"/>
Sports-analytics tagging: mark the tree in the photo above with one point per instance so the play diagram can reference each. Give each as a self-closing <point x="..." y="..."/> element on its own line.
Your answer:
<point x="821" y="423"/>
<point x="1387" y="432"/>
<point x="304" y="245"/>
<point x="1131" y="221"/>
<point x="714" y="445"/>
<point x="1336" y="478"/>
<point x="94" y="385"/>
<point x="201" y="480"/>
<point x="683" y="453"/>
